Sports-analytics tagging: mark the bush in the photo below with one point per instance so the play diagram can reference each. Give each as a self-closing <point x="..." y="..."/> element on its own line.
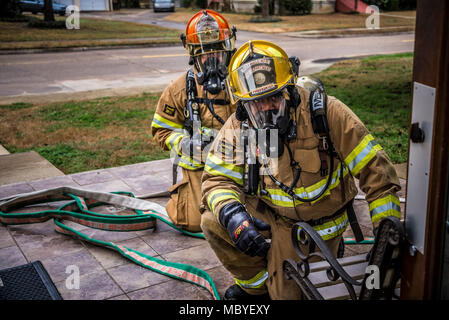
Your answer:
<point x="20" y="18"/>
<point x="258" y="7"/>
<point x="407" y="4"/>
<point x="297" y="7"/>
<point x="186" y="3"/>
<point x="37" y="23"/>
<point x="259" y="19"/>
<point x="393" y="5"/>
<point x="9" y="9"/>
<point x="201" y="4"/>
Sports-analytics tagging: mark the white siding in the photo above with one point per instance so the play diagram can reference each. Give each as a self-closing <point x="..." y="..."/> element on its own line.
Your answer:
<point x="93" y="5"/>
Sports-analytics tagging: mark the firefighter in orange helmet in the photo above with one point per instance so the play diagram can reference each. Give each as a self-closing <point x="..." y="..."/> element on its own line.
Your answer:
<point x="192" y="108"/>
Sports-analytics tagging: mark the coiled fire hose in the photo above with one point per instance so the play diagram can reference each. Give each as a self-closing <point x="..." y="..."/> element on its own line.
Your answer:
<point x="78" y="209"/>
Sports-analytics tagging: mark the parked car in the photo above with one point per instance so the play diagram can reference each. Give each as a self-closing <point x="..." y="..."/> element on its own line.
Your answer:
<point x="164" y="5"/>
<point x="35" y="6"/>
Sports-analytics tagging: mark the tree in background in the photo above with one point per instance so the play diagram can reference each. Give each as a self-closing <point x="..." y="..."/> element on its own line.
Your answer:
<point x="297" y="7"/>
<point x="227" y="5"/>
<point x="48" y="11"/>
<point x="265" y="8"/>
<point x="9" y="9"/>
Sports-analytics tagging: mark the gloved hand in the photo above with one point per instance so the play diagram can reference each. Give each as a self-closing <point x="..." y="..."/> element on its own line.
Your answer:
<point x="242" y="228"/>
<point x="199" y="142"/>
<point x="193" y="148"/>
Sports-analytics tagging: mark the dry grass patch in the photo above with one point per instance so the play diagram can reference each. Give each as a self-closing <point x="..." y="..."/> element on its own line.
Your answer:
<point x="92" y="32"/>
<point x="304" y="23"/>
<point x="84" y="135"/>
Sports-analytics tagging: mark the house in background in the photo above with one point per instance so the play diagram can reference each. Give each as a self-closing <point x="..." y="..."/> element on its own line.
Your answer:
<point x="241" y="6"/>
<point x="318" y="6"/>
<point x="89" y="5"/>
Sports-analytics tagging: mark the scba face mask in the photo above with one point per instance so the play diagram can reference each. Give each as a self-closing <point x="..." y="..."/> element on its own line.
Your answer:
<point x="212" y="70"/>
<point x="269" y="115"/>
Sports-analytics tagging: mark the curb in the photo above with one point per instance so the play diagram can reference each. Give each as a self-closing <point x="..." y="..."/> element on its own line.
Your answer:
<point x="85" y="95"/>
<point x="80" y="49"/>
<point x="316" y="34"/>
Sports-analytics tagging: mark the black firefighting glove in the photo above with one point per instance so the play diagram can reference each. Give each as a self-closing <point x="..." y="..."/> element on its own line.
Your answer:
<point x="242" y="228"/>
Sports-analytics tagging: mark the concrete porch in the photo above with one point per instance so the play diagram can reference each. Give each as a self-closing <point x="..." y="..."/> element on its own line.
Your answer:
<point x="104" y="274"/>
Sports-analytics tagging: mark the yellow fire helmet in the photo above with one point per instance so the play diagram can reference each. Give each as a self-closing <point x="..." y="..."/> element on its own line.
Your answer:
<point x="258" y="69"/>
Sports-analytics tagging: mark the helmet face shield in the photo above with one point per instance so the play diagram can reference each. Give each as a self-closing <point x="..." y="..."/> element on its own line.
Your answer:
<point x="259" y="77"/>
<point x="211" y="40"/>
<point x="266" y="112"/>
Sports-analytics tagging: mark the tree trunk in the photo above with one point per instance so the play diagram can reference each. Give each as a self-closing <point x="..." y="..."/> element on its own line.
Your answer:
<point x="265" y="8"/>
<point x="226" y="5"/>
<point x="48" y="11"/>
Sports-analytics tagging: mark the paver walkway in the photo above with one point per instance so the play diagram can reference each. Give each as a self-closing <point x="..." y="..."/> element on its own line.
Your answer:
<point x="104" y="274"/>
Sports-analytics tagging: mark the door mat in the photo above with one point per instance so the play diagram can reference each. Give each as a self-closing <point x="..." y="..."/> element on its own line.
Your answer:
<point x="27" y="282"/>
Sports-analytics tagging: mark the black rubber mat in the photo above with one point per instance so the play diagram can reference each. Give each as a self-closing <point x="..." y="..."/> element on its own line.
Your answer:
<point x="27" y="282"/>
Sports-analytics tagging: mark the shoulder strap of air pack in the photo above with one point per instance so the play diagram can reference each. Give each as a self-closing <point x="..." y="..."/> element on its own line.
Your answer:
<point x="191" y="109"/>
<point x="318" y="112"/>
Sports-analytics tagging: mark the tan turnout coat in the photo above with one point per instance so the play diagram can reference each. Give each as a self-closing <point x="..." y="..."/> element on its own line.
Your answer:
<point x="362" y="157"/>
<point x="167" y="129"/>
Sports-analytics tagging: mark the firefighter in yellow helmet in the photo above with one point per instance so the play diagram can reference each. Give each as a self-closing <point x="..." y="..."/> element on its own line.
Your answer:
<point x="303" y="172"/>
<point x="192" y="109"/>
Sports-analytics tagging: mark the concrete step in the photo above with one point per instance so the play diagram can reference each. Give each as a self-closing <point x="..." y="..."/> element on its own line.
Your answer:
<point x="25" y="166"/>
<point x="3" y="150"/>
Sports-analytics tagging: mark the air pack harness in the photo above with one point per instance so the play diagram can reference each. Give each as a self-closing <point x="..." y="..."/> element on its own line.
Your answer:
<point x="78" y="209"/>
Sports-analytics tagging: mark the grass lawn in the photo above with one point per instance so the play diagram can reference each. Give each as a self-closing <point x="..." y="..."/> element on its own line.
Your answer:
<point x="92" y="32"/>
<point x="114" y="131"/>
<point x="308" y="22"/>
<point x="378" y="89"/>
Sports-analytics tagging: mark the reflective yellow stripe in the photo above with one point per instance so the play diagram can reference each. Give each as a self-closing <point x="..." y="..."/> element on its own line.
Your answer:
<point x="189" y="163"/>
<point x="219" y="195"/>
<point x="280" y="198"/>
<point x="362" y="154"/>
<point x="333" y="228"/>
<point x="384" y="207"/>
<point x="160" y="122"/>
<point x="255" y="282"/>
<point x="217" y="167"/>
<point x="172" y="141"/>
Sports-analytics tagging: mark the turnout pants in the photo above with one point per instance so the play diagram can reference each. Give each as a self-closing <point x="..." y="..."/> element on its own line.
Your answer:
<point x="257" y="275"/>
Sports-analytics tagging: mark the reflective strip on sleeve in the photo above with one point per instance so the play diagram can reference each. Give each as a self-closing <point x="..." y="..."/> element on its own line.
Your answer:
<point x="384" y="207"/>
<point x="331" y="229"/>
<point x="160" y="122"/>
<point x="362" y="154"/>
<point x="255" y="282"/>
<point x="219" y="195"/>
<point x="189" y="163"/>
<point x="280" y="198"/>
<point x="173" y="140"/>
<point x="217" y="167"/>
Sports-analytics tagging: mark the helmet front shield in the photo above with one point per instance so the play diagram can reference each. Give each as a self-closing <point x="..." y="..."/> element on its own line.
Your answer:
<point x="210" y="41"/>
<point x="259" y="77"/>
